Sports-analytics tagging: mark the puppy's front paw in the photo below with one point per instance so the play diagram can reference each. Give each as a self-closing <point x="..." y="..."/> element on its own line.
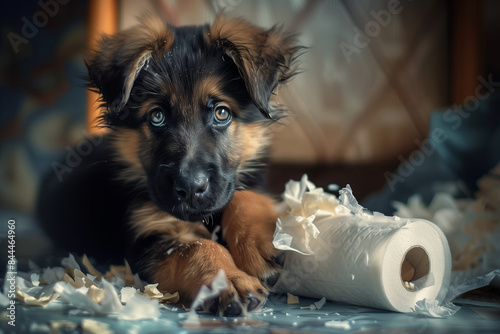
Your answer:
<point x="244" y="294"/>
<point x="258" y="258"/>
<point x="248" y="227"/>
<point x="190" y="266"/>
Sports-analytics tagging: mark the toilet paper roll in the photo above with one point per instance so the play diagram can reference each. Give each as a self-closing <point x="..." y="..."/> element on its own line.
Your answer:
<point x="383" y="265"/>
<point x="364" y="259"/>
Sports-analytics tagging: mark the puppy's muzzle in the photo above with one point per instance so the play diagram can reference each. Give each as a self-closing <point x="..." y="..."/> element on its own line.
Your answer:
<point x="184" y="185"/>
<point x="190" y="186"/>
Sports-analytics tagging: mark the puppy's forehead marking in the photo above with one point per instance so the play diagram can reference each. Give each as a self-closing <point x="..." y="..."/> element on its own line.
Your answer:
<point x="209" y="86"/>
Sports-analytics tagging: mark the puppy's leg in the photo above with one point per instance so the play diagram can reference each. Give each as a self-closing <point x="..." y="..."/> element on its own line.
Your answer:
<point x="182" y="259"/>
<point x="248" y="226"/>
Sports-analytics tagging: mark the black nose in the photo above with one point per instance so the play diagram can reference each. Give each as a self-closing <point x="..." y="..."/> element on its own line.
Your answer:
<point x="189" y="186"/>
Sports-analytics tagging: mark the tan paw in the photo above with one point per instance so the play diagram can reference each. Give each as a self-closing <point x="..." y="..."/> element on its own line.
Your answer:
<point x="248" y="227"/>
<point x="243" y="295"/>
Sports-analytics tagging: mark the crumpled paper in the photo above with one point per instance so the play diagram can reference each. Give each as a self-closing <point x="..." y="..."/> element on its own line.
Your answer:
<point x="307" y="204"/>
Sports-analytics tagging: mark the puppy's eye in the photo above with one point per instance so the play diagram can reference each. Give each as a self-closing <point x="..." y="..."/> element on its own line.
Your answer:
<point x="222" y="114"/>
<point x="157" y="116"/>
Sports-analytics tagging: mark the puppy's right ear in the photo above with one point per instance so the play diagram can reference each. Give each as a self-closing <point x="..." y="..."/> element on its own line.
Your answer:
<point x="114" y="65"/>
<point x="265" y="58"/>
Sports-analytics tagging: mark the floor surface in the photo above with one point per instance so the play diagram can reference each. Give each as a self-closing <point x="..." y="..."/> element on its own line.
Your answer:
<point x="277" y="317"/>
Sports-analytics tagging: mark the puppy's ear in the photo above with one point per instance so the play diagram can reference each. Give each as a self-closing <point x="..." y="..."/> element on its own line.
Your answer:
<point x="264" y="58"/>
<point x="118" y="59"/>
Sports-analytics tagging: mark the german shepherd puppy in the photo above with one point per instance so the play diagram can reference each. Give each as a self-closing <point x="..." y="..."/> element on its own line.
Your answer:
<point x="188" y="111"/>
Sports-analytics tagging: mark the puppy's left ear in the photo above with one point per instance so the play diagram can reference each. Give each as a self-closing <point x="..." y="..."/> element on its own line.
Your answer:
<point x="265" y="58"/>
<point x="116" y="62"/>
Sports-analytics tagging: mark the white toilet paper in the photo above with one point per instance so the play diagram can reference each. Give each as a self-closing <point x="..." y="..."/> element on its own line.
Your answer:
<point x="335" y="249"/>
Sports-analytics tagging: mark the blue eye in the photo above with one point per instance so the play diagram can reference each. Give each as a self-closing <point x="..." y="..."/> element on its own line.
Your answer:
<point x="157" y="116"/>
<point x="222" y="114"/>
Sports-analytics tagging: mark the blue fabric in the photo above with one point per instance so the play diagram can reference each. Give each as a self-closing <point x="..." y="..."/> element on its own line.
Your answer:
<point x="463" y="144"/>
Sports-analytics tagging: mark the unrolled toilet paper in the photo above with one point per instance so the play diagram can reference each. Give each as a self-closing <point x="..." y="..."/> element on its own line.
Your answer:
<point x="338" y="250"/>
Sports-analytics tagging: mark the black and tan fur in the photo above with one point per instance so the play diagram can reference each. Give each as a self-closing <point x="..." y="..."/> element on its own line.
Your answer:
<point x="154" y="191"/>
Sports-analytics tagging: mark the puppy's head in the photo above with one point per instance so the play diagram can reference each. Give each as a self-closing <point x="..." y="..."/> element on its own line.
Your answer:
<point x="190" y="106"/>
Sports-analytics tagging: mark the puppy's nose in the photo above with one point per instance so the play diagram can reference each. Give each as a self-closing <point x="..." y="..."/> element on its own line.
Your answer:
<point x="191" y="186"/>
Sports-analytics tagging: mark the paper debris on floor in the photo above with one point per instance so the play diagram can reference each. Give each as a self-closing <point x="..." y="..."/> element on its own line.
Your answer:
<point x="291" y="299"/>
<point x="315" y="306"/>
<point x="118" y="292"/>
<point x="472" y="227"/>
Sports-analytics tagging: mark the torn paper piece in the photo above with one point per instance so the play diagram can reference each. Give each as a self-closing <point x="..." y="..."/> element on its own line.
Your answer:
<point x="348" y="200"/>
<point x="90" y="268"/>
<point x="27" y="299"/>
<point x="82" y="279"/>
<point x="23" y="284"/>
<point x="218" y="285"/>
<point x="315" y="306"/>
<point x="52" y="275"/>
<point x="78" y="280"/>
<point x="302" y="229"/>
<point x="95" y="327"/>
<point x="467" y="280"/>
<point x="171" y="298"/>
<point x="294" y="192"/>
<point x="95" y="294"/>
<point x="66" y="278"/>
<point x="344" y="325"/>
<point x="121" y="276"/>
<point x="126" y="294"/>
<point x="76" y="297"/>
<point x="151" y="291"/>
<point x="304" y="199"/>
<point x="433" y="308"/>
<point x="291" y="299"/>
<point x="70" y="263"/>
<point x="140" y="307"/>
<point x="35" y="279"/>
<point x="110" y="301"/>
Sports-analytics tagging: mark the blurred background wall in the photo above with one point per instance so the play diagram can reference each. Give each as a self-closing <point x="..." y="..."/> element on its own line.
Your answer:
<point x="374" y="73"/>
